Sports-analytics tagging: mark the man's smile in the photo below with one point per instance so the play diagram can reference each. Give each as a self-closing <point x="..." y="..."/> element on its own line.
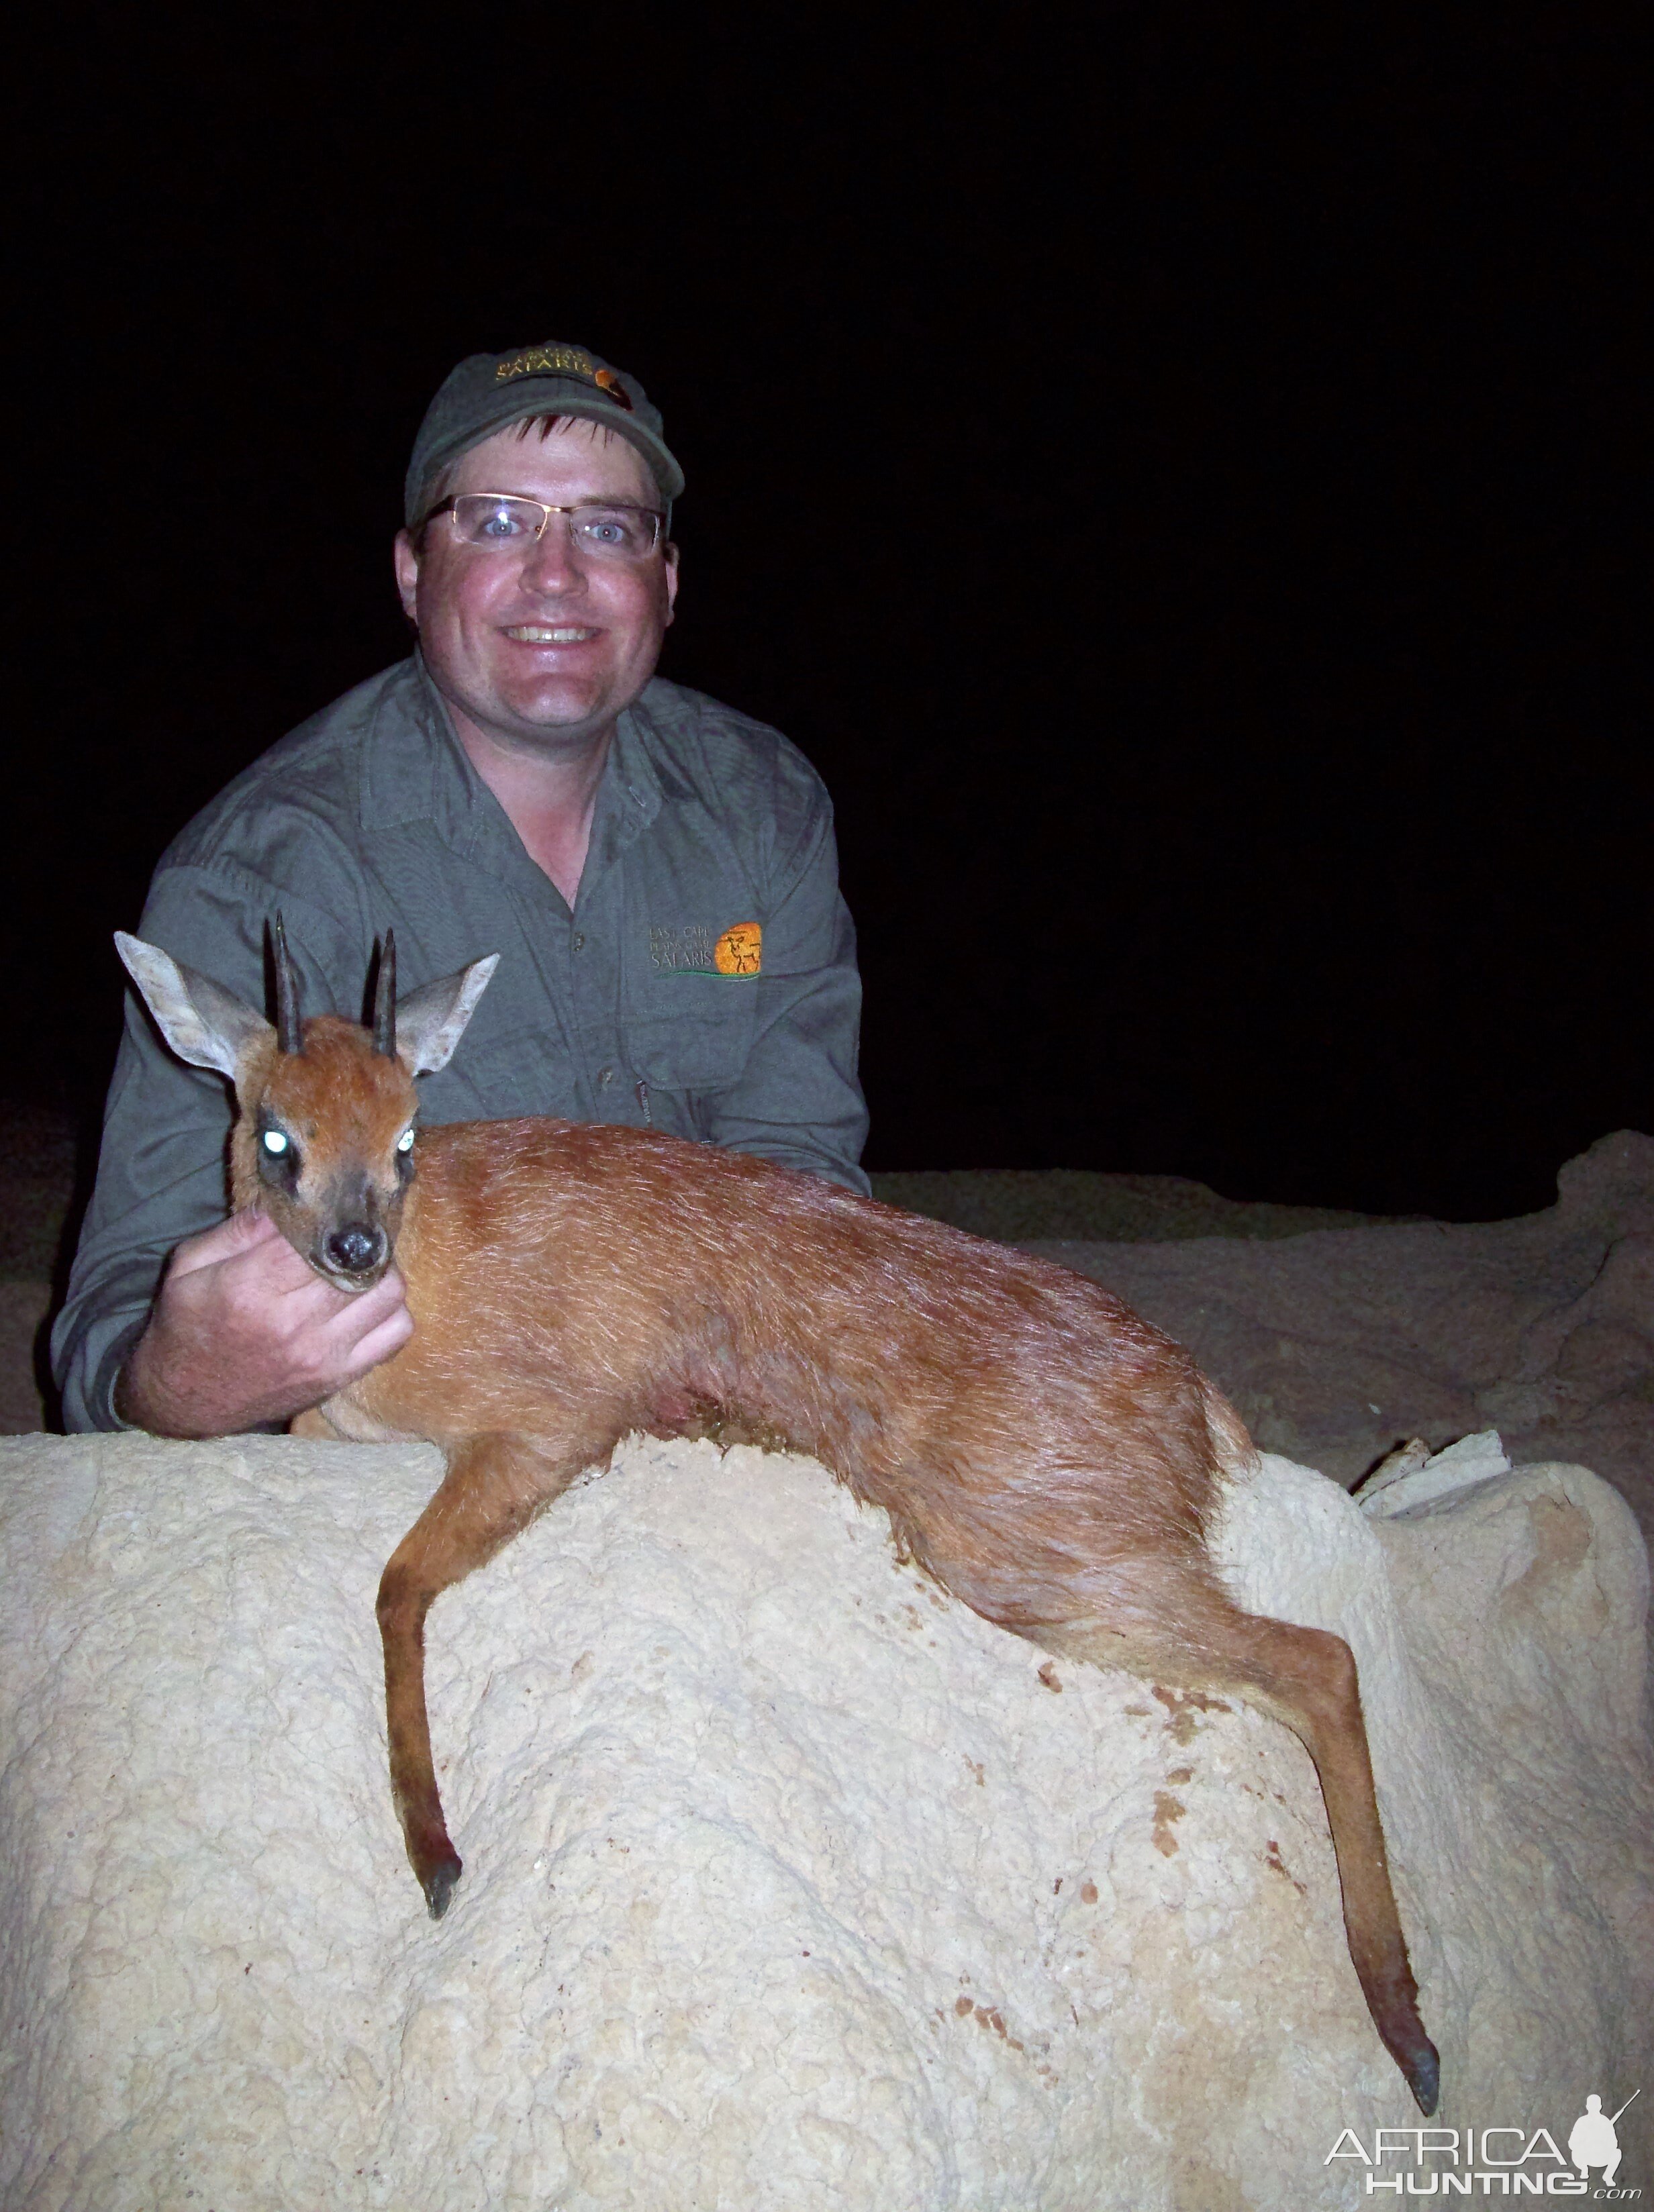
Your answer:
<point x="542" y="634"/>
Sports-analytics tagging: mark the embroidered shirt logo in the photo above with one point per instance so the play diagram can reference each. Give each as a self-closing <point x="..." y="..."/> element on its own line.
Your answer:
<point x="739" y="950"/>
<point x="698" y="950"/>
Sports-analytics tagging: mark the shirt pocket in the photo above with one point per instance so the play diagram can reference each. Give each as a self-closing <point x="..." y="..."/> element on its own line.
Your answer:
<point x="702" y="1040"/>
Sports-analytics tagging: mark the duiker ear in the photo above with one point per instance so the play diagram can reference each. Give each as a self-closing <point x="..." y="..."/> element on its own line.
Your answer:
<point x="430" y="1021"/>
<point x="202" y="1021"/>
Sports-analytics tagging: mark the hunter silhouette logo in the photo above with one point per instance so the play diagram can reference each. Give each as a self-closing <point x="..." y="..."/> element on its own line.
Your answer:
<point x="1592" y="2141"/>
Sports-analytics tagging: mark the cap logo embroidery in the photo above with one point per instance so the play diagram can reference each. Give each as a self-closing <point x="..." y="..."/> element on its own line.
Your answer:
<point x="536" y="361"/>
<point x="565" y="361"/>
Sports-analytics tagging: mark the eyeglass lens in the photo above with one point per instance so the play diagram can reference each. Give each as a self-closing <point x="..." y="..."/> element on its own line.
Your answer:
<point x="497" y="523"/>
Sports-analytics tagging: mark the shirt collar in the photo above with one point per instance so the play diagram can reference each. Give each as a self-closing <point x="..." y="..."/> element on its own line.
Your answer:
<point x="416" y="770"/>
<point x="631" y="770"/>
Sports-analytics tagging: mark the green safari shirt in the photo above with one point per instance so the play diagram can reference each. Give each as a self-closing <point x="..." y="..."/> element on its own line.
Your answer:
<point x="704" y="983"/>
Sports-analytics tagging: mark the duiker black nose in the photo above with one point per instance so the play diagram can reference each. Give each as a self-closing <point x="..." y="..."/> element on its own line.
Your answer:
<point x="356" y="1248"/>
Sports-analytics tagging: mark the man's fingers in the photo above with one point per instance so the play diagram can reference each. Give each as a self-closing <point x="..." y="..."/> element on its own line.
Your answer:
<point x="392" y="1334"/>
<point x="244" y="1330"/>
<point x="361" y="1311"/>
<point x="269" y="1274"/>
<point x="228" y="1240"/>
<point x="258" y="1276"/>
<point x="365" y="1330"/>
<point x="388" y="1295"/>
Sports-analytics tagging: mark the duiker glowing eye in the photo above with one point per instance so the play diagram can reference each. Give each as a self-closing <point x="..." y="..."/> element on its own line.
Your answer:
<point x="405" y="1142"/>
<point x="275" y="1142"/>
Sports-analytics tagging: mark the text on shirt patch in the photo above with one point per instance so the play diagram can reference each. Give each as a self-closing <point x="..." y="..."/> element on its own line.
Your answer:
<point x="699" y="950"/>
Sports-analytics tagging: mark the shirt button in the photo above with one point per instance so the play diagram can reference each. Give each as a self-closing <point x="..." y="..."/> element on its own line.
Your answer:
<point x="580" y="942"/>
<point x="605" y="1075"/>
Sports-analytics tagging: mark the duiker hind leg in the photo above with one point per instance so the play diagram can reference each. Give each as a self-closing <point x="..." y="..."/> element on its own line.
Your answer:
<point x="1306" y="1679"/>
<point x="494" y="1486"/>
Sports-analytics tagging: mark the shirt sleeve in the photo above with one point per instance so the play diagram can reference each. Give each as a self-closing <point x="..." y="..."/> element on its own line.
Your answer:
<point x="161" y="1168"/>
<point x="797" y="1100"/>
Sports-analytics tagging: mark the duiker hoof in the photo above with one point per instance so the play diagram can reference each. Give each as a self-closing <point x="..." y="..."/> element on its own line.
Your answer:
<point x="438" y="1886"/>
<point x="1423" y="2070"/>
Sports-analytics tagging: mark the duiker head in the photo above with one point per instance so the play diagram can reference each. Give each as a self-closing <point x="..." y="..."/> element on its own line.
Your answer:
<point x="324" y="1142"/>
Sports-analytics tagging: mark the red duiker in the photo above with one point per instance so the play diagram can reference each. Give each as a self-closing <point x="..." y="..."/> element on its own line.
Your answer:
<point x="1047" y="1456"/>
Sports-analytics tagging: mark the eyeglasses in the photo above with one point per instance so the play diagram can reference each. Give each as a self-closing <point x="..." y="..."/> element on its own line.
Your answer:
<point x="501" y="522"/>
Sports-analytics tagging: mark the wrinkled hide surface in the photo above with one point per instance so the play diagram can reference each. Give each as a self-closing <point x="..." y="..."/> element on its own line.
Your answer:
<point x="789" y="1882"/>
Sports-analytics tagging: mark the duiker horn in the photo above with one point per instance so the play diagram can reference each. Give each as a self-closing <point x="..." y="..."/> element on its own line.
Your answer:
<point x="289" y="1037"/>
<point x="385" y="999"/>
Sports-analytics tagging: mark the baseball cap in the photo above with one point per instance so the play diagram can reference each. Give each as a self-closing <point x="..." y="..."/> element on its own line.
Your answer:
<point x="489" y="390"/>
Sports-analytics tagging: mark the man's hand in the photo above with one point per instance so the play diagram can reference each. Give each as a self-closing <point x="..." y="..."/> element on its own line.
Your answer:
<point x="244" y="1332"/>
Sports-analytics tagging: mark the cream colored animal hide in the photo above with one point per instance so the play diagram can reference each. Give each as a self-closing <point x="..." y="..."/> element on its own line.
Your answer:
<point x="789" y="1883"/>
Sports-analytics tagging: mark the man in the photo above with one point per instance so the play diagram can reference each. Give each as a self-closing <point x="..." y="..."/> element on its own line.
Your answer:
<point x="658" y="872"/>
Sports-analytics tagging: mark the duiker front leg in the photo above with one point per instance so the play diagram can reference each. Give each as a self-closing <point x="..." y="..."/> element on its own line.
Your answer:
<point x="494" y="1486"/>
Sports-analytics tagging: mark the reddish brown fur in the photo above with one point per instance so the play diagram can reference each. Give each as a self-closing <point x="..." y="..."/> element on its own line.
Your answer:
<point x="1048" y="1457"/>
<point x="347" y="1106"/>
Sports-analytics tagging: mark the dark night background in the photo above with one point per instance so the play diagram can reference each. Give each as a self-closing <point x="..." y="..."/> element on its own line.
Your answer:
<point x="1179" y="473"/>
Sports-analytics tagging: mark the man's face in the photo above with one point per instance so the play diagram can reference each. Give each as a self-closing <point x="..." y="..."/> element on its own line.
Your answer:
<point x="540" y="648"/>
